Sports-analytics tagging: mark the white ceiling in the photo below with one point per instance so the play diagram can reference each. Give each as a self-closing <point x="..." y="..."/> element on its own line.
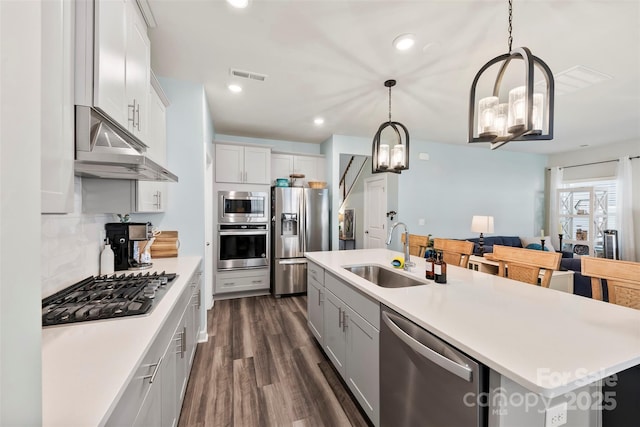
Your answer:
<point x="330" y="58"/>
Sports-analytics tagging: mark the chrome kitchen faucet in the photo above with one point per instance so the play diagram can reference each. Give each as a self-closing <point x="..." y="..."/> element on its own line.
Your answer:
<point x="407" y="257"/>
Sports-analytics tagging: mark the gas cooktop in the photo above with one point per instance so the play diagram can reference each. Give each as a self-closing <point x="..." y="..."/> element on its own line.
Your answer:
<point x="106" y="297"/>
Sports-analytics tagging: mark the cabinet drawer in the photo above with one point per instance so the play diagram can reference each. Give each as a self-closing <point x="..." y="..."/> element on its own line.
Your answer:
<point x="316" y="273"/>
<point x="234" y="283"/>
<point x="361" y="304"/>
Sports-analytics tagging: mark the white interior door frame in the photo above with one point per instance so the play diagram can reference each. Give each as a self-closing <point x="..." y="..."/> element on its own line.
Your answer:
<point x="375" y="209"/>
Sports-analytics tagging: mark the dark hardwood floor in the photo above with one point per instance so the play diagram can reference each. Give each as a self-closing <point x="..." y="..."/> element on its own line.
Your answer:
<point x="262" y="367"/>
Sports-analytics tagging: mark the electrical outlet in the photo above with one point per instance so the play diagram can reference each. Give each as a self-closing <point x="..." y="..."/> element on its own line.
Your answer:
<point x="421" y="221"/>
<point x="556" y="416"/>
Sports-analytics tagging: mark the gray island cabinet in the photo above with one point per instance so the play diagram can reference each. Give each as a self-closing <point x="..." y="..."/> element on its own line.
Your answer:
<point x="346" y="323"/>
<point x="551" y="356"/>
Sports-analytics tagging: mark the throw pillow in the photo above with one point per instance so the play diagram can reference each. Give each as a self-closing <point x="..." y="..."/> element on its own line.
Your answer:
<point x="526" y="241"/>
<point x="537" y="246"/>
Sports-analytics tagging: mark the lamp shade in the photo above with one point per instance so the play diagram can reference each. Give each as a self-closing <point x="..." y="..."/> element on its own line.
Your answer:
<point x="482" y="224"/>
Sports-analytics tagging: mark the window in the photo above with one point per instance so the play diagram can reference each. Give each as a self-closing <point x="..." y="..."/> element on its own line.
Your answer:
<point x="586" y="209"/>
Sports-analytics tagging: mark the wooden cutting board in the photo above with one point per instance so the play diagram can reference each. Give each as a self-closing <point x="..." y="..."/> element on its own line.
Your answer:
<point x="166" y="245"/>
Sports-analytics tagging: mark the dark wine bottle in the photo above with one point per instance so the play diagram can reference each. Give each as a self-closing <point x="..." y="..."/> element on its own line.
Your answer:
<point x="440" y="270"/>
<point x="430" y="260"/>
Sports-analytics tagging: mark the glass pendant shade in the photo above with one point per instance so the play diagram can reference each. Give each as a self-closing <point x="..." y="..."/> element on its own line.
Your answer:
<point x="385" y="158"/>
<point x="517" y="109"/>
<point x="502" y="111"/>
<point x="487" y="116"/>
<point x="398" y="157"/>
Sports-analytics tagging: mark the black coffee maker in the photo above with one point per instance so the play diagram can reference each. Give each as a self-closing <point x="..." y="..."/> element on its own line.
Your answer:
<point x="124" y="239"/>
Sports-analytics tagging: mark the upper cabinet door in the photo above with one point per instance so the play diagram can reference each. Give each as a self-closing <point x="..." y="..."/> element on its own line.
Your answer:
<point x="257" y="165"/>
<point x="57" y="148"/>
<point x="229" y="163"/>
<point x="110" y="51"/>
<point x="138" y="72"/>
<point x="281" y="166"/>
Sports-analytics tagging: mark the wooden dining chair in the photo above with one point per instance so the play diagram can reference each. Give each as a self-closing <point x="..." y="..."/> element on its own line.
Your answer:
<point x="454" y="252"/>
<point x="623" y="280"/>
<point x="417" y="244"/>
<point x="524" y="265"/>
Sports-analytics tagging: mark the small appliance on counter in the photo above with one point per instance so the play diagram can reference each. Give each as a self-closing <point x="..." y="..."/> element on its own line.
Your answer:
<point x="129" y="242"/>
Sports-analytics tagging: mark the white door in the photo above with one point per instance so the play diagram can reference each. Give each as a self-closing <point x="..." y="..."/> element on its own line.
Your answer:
<point x="375" y="210"/>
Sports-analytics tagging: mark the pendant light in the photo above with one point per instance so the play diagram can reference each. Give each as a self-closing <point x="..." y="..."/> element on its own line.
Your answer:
<point x="523" y="115"/>
<point x="390" y="154"/>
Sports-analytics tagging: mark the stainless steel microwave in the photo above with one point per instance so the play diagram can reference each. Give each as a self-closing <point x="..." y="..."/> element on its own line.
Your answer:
<point x="243" y="206"/>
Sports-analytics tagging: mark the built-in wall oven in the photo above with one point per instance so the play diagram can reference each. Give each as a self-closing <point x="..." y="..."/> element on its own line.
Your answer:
<point x="242" y="207"/>
<point x="242" y="246"/>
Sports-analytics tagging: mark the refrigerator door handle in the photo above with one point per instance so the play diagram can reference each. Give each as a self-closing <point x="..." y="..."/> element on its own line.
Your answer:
<point x="292" y="261"/>
<point x="302" y="222"/>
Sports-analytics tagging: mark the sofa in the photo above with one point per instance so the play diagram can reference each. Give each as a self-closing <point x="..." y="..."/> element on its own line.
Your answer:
<point x="581" y="284"/>
<point x="513" y="241"/>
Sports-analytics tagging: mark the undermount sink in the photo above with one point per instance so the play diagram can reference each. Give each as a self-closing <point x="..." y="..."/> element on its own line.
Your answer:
<point x="383" y="277"/>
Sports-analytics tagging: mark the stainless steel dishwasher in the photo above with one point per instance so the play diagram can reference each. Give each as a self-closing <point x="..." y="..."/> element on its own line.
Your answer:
<point x="424" y="381"/>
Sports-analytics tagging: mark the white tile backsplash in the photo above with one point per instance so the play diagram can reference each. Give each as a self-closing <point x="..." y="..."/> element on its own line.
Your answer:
<point x="71" y="245"/>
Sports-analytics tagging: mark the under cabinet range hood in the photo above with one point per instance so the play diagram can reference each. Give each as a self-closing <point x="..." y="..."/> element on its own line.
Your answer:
<point x="104" y="149"/>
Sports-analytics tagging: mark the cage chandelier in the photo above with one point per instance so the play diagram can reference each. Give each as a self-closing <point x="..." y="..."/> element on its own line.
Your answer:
<point x="522" y="116"/>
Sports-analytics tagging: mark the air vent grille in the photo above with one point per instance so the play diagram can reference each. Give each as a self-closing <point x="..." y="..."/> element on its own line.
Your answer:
<point x="251" y="75"/>
<point x="576" y="78"/>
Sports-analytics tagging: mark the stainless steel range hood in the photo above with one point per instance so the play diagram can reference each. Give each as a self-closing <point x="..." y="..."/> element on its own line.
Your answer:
<point x="104" y="149"/>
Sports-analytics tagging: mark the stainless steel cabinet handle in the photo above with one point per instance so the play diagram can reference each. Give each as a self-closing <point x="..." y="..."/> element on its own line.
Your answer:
<point x="462" y="371"/>
<point x="319" y="297"/>
<point x="152" y="377"/>
<point x="159" y="199"/>
<point x="138" y="113"/>
<point x="184" y="341"/>
<point x="132" y="119"/>
<point x="339" y="317"/>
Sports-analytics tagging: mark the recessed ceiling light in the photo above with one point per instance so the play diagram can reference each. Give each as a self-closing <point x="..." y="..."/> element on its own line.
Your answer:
<point x="404" y="41"/>
<point x="235" y="88"/>
<point x="318" y="121"/>
<point x="238" y="4"/>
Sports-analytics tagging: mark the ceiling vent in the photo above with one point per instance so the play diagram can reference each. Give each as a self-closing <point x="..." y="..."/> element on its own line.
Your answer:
<point x="576" y="78"/>
<point x="248" y="75"/>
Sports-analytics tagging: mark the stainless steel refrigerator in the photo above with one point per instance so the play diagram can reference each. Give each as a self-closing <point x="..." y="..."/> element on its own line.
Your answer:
<point x="300" y="223"/>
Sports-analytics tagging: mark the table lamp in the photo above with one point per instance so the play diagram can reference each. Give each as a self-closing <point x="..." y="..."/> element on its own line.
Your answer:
<point x="481" y="224"/>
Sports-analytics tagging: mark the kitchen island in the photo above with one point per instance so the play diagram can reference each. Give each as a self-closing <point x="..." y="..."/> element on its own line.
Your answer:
<point x="533" y="339"/>
<point x="88" y="366"/>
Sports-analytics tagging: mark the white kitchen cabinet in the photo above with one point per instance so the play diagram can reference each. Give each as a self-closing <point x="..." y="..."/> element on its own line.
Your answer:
<point x="123" y="64"/>
<point x="57" y="147"/>
<point x="110" y="51"/>
<point x="138" y="72"/>
<point x="315" y="301"/>
<point x="155" y="393"/>
<point x="351" y="341"/>
<point x="243" y="164"/>
<point x="242" y="280"/>
<point x="283" y="165"/>
<point x="151" y="196"/>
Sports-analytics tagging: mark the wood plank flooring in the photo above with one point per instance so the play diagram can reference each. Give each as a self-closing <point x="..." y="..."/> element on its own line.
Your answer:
<point x="263" y="367"/>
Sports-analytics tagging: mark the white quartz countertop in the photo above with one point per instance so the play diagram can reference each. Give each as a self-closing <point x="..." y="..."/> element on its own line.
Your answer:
<point x="86" y="366"/>
<point x="548" y="341"/>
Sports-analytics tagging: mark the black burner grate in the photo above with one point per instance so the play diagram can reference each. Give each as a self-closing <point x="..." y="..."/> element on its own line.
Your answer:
<point x="105" y="297"/>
